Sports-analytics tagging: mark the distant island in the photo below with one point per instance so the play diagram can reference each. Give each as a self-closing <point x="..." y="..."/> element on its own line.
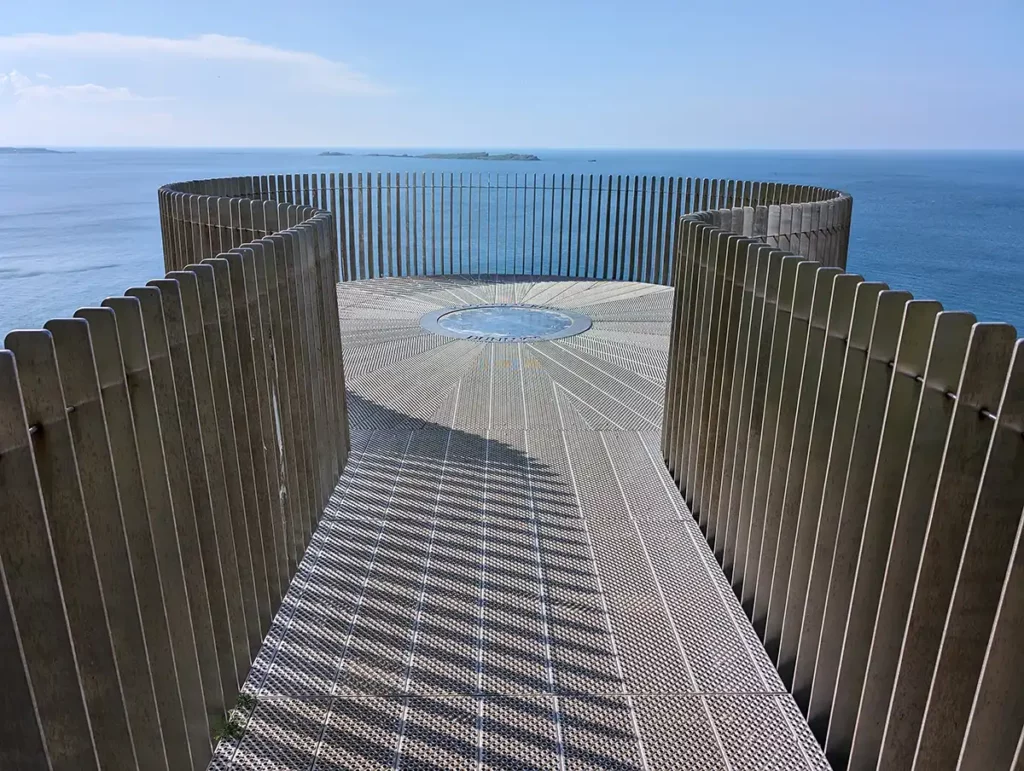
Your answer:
<point x="30" y="151"/>
<point x="443" y="156"/>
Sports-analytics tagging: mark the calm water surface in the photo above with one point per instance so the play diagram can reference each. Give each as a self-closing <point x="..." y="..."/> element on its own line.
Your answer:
<point x="76" y="228"/>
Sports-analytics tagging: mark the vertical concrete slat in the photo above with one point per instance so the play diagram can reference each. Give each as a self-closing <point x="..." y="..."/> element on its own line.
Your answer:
<point x="963" y="458"/>
<point x="165" y="229"/>
<point x="677" y="395"/>
<point x="878" y="518"/>
<point x="44" y="723"/>
<point x="284" y="363"/>
<point x="269" y="344"/>
<point x="238" y="225"/>
<point x="380" y="227"/>
<point x="774" y="222"/>
<point x="224" y="224"/>
<point x="711" y="401"/>
<point x="812" y="324"/>
<point x="764" y="320"/>
<point x="733" y="270"/>
<point x="336" y="364"/>
<point x="100" y="486"/>
<point x="997" y="715"/>
<point x="794" y="315"/>
<point x="317" y="349"/>
<point x="202" y="352"/>
<point x="338" y="368"/>
<point x="746" y="267"/>
<point x="74" y="549"/>
<point x="984" y="565"/>
<point x="173" y="426"/>
<point x="200" y="231"/>
<point x="672" y="359"/>
<point x="785" y="227"/>
<point x="325" y="283"/>
<point x="238" y="297"/>
<point x="246" y="444"/>
<point x="824" y="396"/>
<point x="802" y="226"/>
<point x="856" y="487"/>
<point x="201" y="210"/>
<point x="282" y="383"/>
<point x="788" y="348"/>
<point x="213" y="218"/>
<point x="291" y="259"/>
<point x="137" y="515"/>
<point x="305" y="357"/>
<point x="154" y="448"/>
<point x="242" y="262"/>
<point x="217" y="357"/>
<point x="701" y="343"/>
<point x="756" y="277"/>
<point x="673" y="218"/>
<point x="198" y="425"/>
<point x="309" y="339"/>
<point x="694" y="280"/>
<point x="840" y="443"/>
<point x="293" y="330"/>
<point x="174" y="204"/>
<point x="330" y="334"/>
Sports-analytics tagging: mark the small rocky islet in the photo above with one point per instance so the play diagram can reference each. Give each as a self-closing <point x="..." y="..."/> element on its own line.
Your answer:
<point x="31" y="151"/>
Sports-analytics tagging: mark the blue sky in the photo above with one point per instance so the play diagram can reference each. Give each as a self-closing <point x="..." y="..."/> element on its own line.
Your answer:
<point x="643" y="74"/>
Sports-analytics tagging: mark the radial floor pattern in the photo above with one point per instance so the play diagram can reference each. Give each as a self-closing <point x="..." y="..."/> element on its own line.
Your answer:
<point x="506" y="576"/>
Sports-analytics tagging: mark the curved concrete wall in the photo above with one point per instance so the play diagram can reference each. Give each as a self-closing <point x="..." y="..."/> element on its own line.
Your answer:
<point x="854" y="457"/>
<point x="605" y="227"/>
<point x="164" y="458"/>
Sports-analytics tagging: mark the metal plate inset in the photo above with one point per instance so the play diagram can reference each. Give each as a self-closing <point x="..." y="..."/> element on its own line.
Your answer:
<point x="505" y="323"/>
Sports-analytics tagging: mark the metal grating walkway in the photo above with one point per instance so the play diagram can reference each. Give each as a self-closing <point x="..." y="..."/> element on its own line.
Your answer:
<point x="506" y="576"/>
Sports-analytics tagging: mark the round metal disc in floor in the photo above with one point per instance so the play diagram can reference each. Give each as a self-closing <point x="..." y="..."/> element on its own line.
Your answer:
<point x="505" y="323"/>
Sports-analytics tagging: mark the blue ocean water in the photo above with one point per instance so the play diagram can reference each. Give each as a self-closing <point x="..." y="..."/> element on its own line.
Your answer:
<point x="75" y="228"/>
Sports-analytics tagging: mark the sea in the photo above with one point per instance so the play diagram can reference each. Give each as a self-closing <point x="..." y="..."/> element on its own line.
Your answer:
<point x="79" y="226"/>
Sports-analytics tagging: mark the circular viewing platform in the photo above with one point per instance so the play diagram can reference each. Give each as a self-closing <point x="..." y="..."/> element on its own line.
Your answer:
<point x="506" y="576"/>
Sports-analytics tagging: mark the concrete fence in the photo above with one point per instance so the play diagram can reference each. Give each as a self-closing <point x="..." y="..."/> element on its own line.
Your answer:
<point x="164" y="458"/>
<point x="580" y="226"/>
<point x="855" y="458"/>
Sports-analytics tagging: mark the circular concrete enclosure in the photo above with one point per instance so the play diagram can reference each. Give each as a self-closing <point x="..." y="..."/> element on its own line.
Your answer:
<point x="506" y="323"/>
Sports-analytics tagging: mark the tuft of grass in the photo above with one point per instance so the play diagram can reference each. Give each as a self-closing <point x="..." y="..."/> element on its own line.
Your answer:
<point x="245" y="702"/>
<point x="230" y="729"/>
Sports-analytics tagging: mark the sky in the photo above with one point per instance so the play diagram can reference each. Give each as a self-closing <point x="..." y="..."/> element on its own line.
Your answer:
<point x="646" y="74"/>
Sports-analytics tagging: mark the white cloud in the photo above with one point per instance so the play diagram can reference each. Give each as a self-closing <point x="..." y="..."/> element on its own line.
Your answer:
<point x="21" y="88"/>
<point x="14" y="82"/>
<point x="321" y="72"/>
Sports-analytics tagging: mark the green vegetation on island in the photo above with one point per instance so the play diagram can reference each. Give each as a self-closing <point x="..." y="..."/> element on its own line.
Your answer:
<point x="444" y="156"/>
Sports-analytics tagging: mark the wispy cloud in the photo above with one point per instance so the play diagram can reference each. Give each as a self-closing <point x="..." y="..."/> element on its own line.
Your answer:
<point x="21" y="87"/>
<point x="315" y="70"/>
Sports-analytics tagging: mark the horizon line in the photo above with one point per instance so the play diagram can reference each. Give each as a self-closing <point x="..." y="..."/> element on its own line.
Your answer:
<point x="500" y="149"/>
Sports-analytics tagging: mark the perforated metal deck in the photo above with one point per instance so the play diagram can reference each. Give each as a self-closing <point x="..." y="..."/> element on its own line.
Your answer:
<point x="506" y="576"/>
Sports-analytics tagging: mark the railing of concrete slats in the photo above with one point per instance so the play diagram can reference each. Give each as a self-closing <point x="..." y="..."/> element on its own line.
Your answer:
<point x="855" y="459"/>
<point x="163" y="460"/>
<point x="580" y="226"/>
